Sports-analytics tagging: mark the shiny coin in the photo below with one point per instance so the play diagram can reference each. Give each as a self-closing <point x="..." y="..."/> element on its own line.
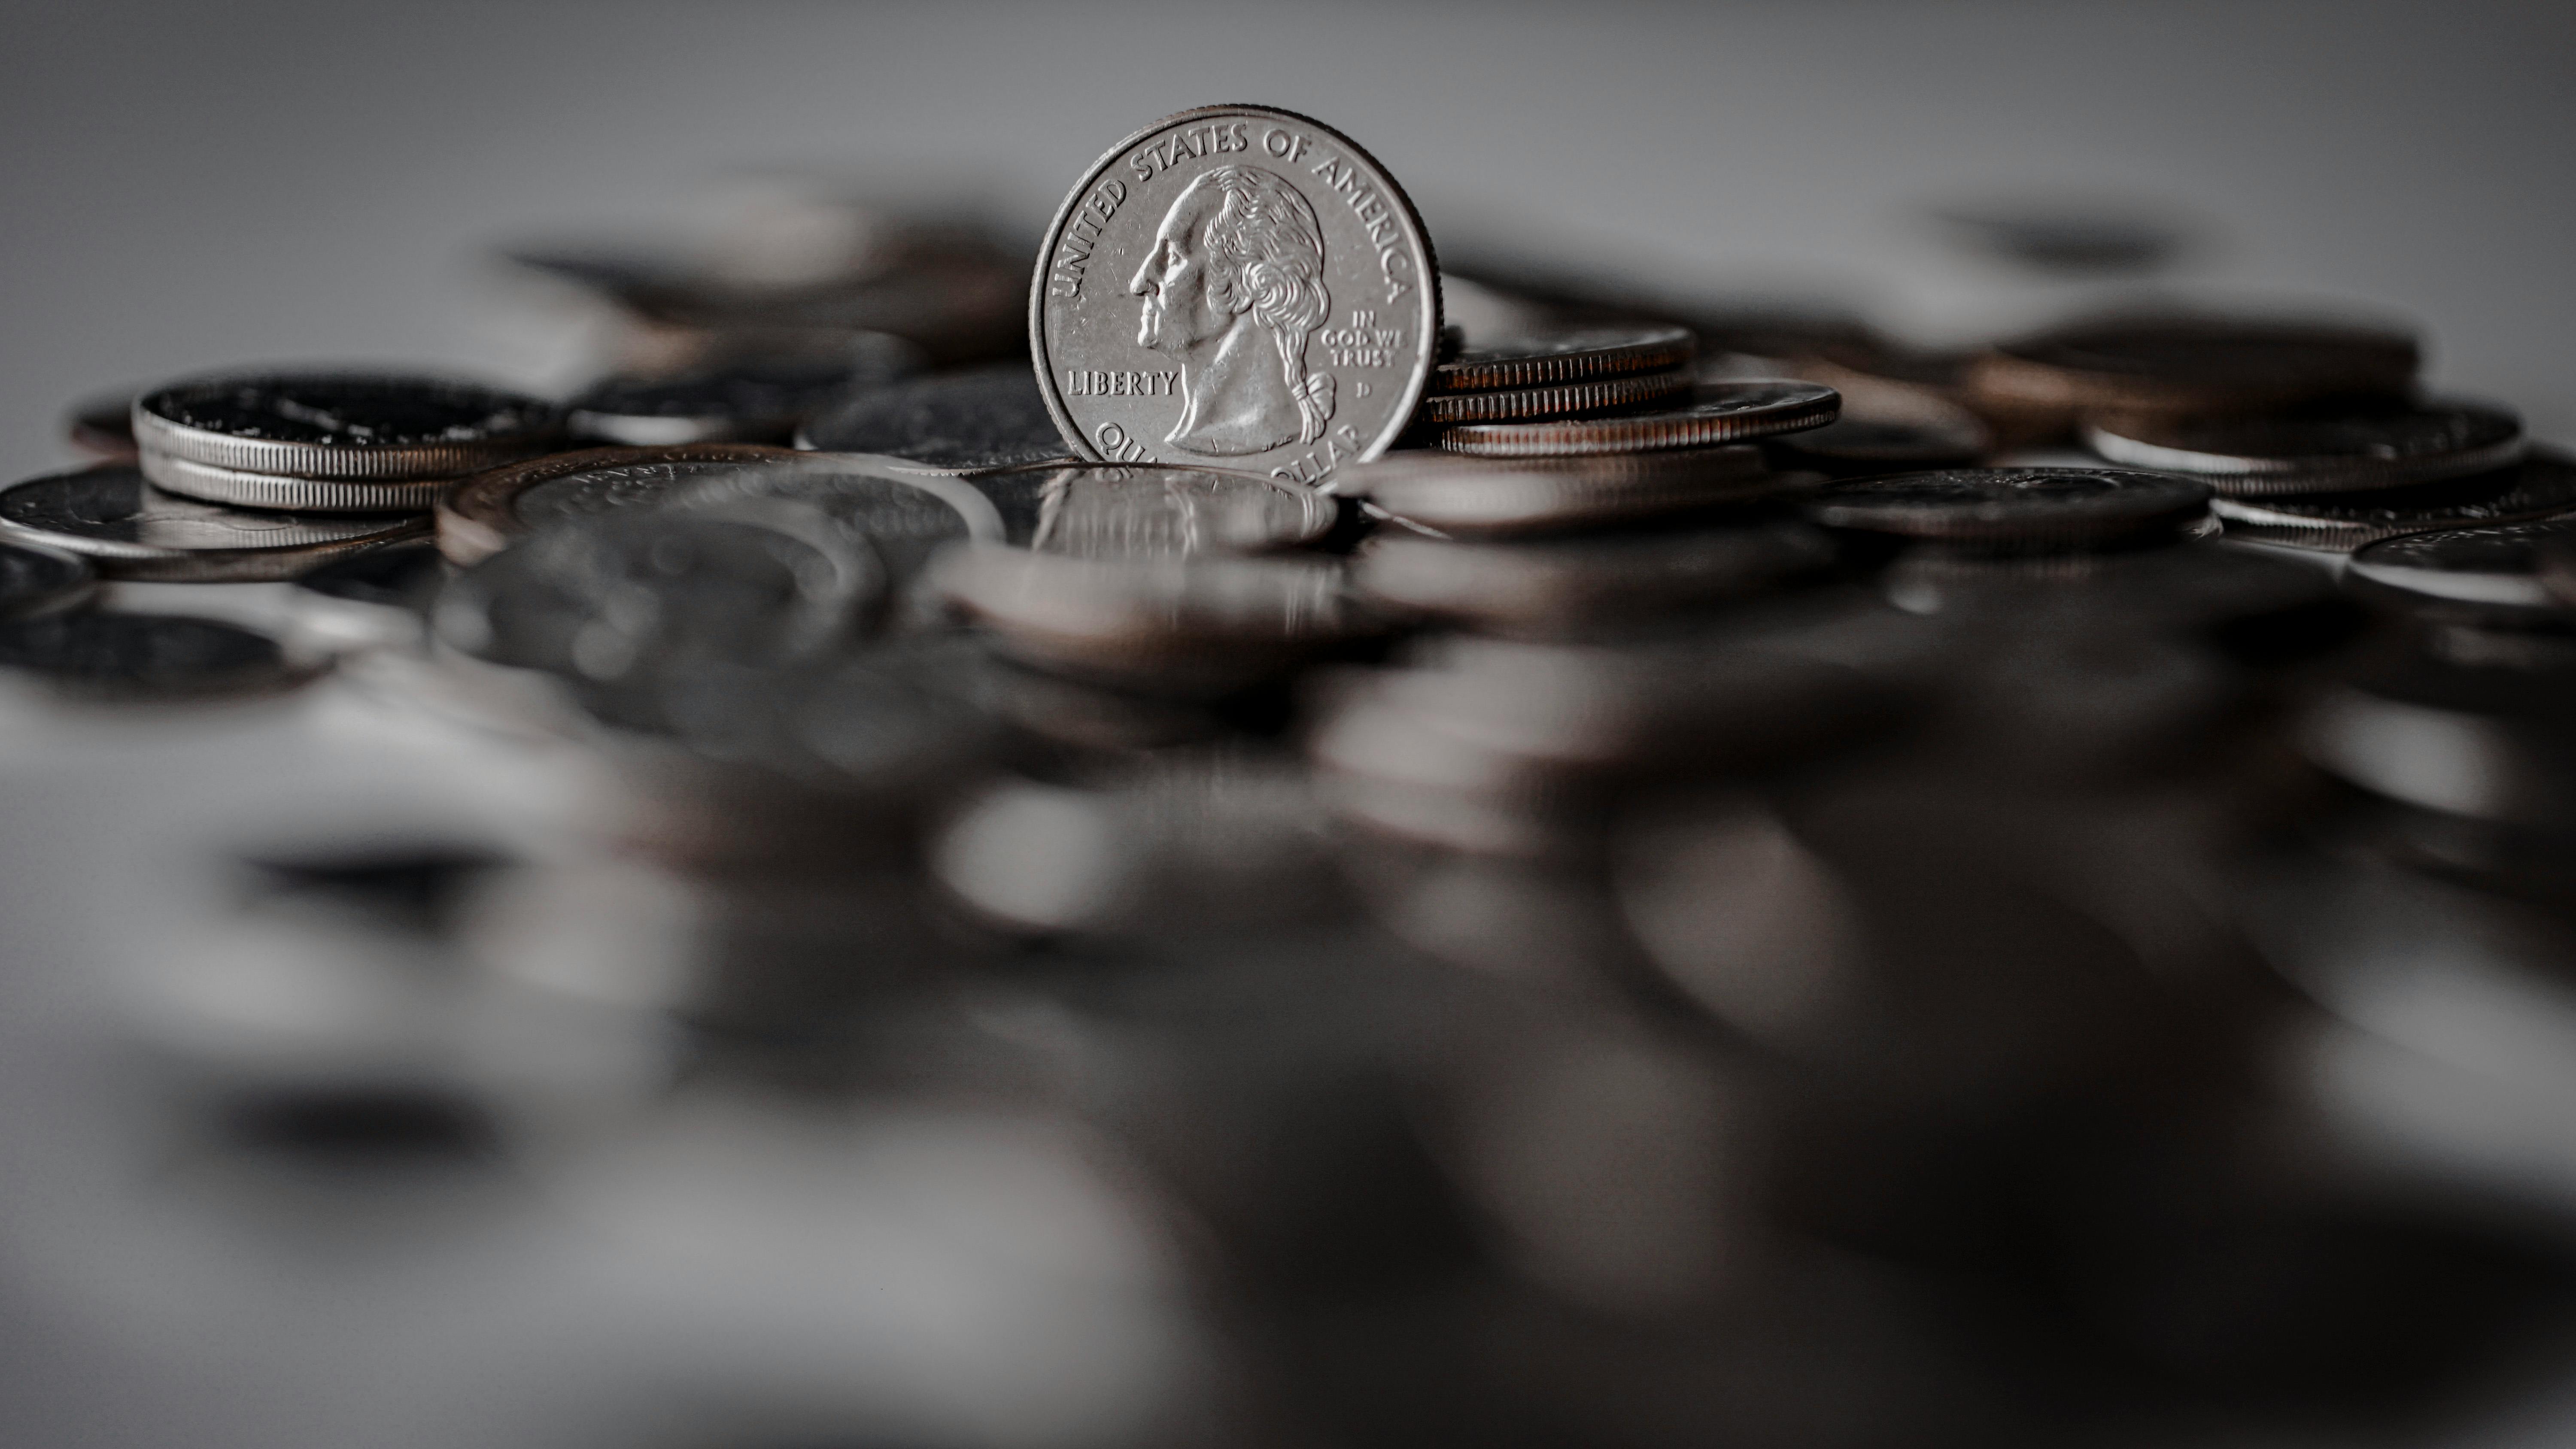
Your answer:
<point x="1450" y="494"/>
<point x="1099" y="510"/>
<point x="2333" y="450"/>
<point x="1540" y="587"/>
<point x="480" y="516"/>
<point x="1557" y="400"/>
<point x="1539" y="357"/>
<point x="35" y="579"/>
<point x="240" y="489"/>
<point x="2470" y="574"/>
<point x="103" y="426"/>
<point x="1723" y="413"/>
<point x="143" y="656"/>
<point x="2167" y="363"/>
<point x="1235" y="287"/>
<point x="2537" y="487"/>
<point x="129" y="530"/>
<point x="342" y="425"/>
<point x="2025" y="507"/>
<point x="964" y="422"/>
<point x="756" y="399"/>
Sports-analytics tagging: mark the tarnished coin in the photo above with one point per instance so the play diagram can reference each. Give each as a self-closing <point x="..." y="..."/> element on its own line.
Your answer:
<point x="2541" y="485"/>
<point x="1101" y="510"/>
<point x="35" y="579"/>
<point x="239" y="488"/>
<point x="1556" y="400"/>
<point x="1725" y="412"/>
<point x="2331" y="450"/>
<point x="144" y="656"/>
<point x="1450" y="494"/>
<point x="342" y="425"/>
<point x="1541" y="587"/>
<point x="1235" y="287"/>
<point x="103" y="426"/>
<point x="128" y="529"/>
<point x="2490" y="573"/>
<point x="965" y="422"/>
<point x="1538" y="357"/>
<point x="2190" y="363"/>
<point x="755" y="399"/>
<point x="2015" y="507"/>
<point x="480" y="516"/>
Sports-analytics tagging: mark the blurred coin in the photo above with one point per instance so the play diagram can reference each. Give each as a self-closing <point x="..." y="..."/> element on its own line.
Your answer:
<point x="129" y="530"/>
<point x="2490" y="573"/>
<point x="2318" y="450"/>
<point x="1888" y="434"/>
<point x="1100" y="510"/>
<point x="2496" y="744"/>
<point x="239" y="489"/>
<point x="1539" y="357"/>
<point x="1557" y="400"/>
<point x="1447" y="493"/>
<point x="2037" y="508"/>
<point x="759" y="399"/>
<point x="486" y="512"/>
<point x="2066" y="234"/>
<point x="1721" y="413"/>
<point x="959" y="303"/>
<point x="2541" y="485"/>
<point x="1540" y="586"/>
<point x="963" y="422"/>
<point x="348" y="426"/>
<point x="103" y="426"/>
<point x="405" y="576"/>
<point x="35" y="579"/>
<point x="1235" y="286"/>
<point x="144" y="656"/>
<point x="2188" y="363"/>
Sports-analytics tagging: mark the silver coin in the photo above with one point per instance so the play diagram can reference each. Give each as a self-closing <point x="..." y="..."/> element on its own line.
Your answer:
<point x="241" y="488"/>
<point x="1107" y="511"/>
<point x="2318" y="450"/>
<point x="2468" y="574"/>
<point x="128" y="529"/>
<point x="347" y="424"/>
<point x="1235" y="286"/>
<point x="964" y="422"/>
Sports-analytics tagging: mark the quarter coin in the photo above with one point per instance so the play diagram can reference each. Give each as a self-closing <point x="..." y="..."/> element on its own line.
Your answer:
<point x="965" y="422"/>
<point x="342" y="425"/>
<point x="1551" y="356"/>
<point x="1723" y="412"/>
<point x="2340" y="449"/>
<point x="2014" y="507"/>
<point x="2539" y="486"/>
<point x="128" y="529"/>
<point x="1235" y="287"/>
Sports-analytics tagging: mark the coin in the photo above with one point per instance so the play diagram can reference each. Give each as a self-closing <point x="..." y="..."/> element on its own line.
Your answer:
<point x="1101" y="510"/>
<point x="1541" y="586"/>
<point x="342" y="425"/>
<point x="2541" y="485"/>
<point x="2492" y="571"/>
<point x="35" y="579"/>
<point x="103" y="426"/>
<point x="143" y="656"/>
<point x="1559" y="400"/>
<point x="1885" y="433"/>
<point x="2490" y="743"/>
<point x="2324" y="450"/>
<point x="2034" y="507"/>
<point x="480" y="516"/>
<point x="129" y="530"/>
<point x="758" y="399"/>
<point x="237" y="488"/>
<point x="1451" y="494"/>
<point x="1239" y="287"/>
<point x="2188" y="363"/>
<point x="405" y="576"/>
<point x="1721" y="413"/>
<point x="1539" y="357"/>
<point x="963" y="422"/>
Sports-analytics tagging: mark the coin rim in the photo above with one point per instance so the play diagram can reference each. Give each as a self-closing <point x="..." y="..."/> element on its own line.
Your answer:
<point x="477" y="516"/>
<point x="1401" y="205"/>
<point x="345" y="462"/>
<point x="1664" y="348"/>
<point x="237" y="488"/>
<point x="1556" y="400"/>
<point x="1637" y="433"/>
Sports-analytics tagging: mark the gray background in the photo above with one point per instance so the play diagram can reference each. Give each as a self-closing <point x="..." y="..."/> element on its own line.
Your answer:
<point x="218" y="184"/>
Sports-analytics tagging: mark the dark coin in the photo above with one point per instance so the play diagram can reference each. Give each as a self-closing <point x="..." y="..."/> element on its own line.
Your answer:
<point x="2486" y="573"/>
<point x="1541" y="586"/>
<point x="964" y="422"/>
<point x="2497" y="744"/>
<point x="2539" y="486"/>
<point x="35" y="579"/>
<point x="103" y="426"/>
<point x="480" y="516"/>
<point x="1722" y="413"/>
<point x="342" y="425"/>
<point x="1553" y="356"/>
<point x="1450" y="494"/>
<point x="1557" y="400"/>
<point x="396" y="578"/>
<point x="143" y="655"/>
<point x="1101" y="510"/>
<point x="1887" y="441"/>
<point x="2327" y="450"/>
<point x="2183" y="363"/>
<point x="2062" y="236"/>
<point x="757" y="399"/>
<point x="2026" y="507"/>
<point x="129" y="530"/>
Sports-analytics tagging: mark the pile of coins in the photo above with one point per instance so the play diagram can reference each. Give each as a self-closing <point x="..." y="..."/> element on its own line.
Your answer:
<point x="1600" y="869"/>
